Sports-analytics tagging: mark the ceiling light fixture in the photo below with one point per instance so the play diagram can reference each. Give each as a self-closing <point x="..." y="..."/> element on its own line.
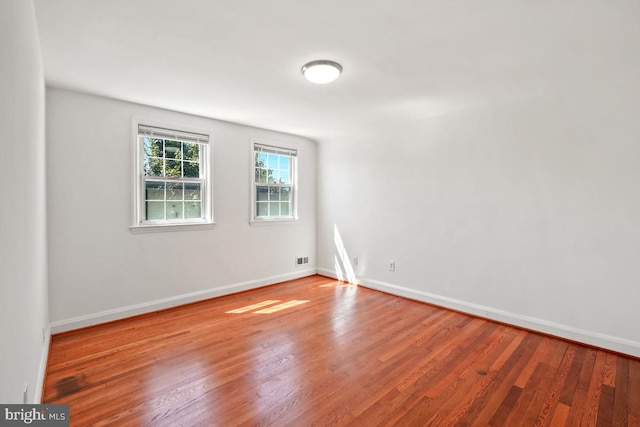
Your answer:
<point x="321" y="71"/>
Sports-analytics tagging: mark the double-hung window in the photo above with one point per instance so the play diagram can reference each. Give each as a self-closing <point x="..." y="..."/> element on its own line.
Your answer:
<point x="173" y="177"/>
<point x="274" y="183"/>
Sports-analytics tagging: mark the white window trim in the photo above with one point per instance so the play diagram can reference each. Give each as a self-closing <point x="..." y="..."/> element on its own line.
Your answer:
<point x="262" y="221"/>
<point x="138" y="226"/>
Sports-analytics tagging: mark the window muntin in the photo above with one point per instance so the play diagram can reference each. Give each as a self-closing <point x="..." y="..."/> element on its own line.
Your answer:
<point x="274" y="182"/>
<point x="173" y="177"/>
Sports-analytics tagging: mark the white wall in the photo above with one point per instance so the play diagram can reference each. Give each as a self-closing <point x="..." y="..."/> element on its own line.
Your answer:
<point x="99" y="270"/>
<point x="23" y="282"/>
<point x="525" y="210"/>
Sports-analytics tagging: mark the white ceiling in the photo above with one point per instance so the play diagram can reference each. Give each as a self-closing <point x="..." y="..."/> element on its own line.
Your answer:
<point x="404" y="61"/>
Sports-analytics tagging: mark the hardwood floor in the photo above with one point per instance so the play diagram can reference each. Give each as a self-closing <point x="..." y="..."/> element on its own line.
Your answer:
<point x="317" y="352"/>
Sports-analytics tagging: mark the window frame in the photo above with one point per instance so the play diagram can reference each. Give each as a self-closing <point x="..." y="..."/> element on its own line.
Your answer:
<point x="140" y="225"/>
<point x="271" y="220"/>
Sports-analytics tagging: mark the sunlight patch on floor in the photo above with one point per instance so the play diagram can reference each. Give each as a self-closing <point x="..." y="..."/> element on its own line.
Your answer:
<point x="253" y="306"/>
<point x="260" y="310"/>
<point x="338" y="285"/>
<point x="282" y="306"/>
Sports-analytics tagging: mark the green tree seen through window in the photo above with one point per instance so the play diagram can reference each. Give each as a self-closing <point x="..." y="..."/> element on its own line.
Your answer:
<point x="172" y="158"/>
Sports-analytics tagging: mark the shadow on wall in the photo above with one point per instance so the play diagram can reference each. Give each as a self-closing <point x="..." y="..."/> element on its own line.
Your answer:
<point x="343" y="267"/>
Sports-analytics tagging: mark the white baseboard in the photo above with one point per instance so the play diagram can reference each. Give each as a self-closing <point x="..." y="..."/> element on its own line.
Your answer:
<point x="147" y="307"/>
<point x="596" y="339"/>
<point x="42" y="368"/>
<point x="327" y="272"/>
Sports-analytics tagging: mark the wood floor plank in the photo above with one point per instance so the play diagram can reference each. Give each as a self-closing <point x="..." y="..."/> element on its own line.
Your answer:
<point x="438" y="384"/>
<point x="572" y="376"/>
<point x="578" y="402"/>
<point x="346" y="356"/>
<point x="515" y="343"/>
<point x="605" y="408"/>
<point x="537" y="385"/>
<point x="634" y="392"/>
<point x="560" y="415"/>
<point x="446" y="406"/>
<point x="506" y="407"/>
<point x="528" y="370"/>
<point x="531" y="397"/>
<point x="453" y="348"/>
<point x="595" y="389"/>
<point x="621" y="394"/>
<point x="553" y="396"/>
<point x="493" y="397"/>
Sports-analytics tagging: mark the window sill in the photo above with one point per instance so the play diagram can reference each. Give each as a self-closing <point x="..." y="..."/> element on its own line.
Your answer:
<point x="137" y="229"/>
<point x="267" y="222"/>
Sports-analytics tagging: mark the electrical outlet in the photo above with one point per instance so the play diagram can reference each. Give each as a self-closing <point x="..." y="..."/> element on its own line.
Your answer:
<point x="25" y="394"/>
<point x="355" y="261"/>
<point x="392" y="265"/>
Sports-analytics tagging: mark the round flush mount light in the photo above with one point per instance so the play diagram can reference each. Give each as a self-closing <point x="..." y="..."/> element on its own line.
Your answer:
<point x="321" y="71"/>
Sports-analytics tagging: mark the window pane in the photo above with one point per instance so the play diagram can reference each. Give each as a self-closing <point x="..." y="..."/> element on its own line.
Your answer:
<point x="172" y="199"/>
<point x="285" y="193"/>
<point x="285" y="177"/>
<point x="191" y="169"/>
<point x="272" y="161"/>
<point x="262" y="208"/>
<point x="155" y="211"/>
<point x="274" y="209"/>
<point x="154" y="190"/>
<point x="153" y="166"/>
<point x="172" y="149"/>
<point x="283" y="162"/>
<point x="174" y="191"/>
<point x="152" y="147"/>
<point x="273" y="175"/>
<point x="269" y="174"/>
<point x="146" y="144"/>
<point x="174" y="210"/>
<point x="173" y="168"/>
<point x="262" y="193"/>
<point x="261" y="160"/>
<point x="274" y="193"/>
<point x="192" y="210"/>
<point x="285" y="169"/>
<point x="264" y="175"/>
<point x="191" y="151"/>
<point x="192" y="192"/>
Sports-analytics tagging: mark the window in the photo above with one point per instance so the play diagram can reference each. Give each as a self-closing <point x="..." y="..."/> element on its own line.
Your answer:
<point x="172" y="171"/>
<point x="274" y="177"/>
